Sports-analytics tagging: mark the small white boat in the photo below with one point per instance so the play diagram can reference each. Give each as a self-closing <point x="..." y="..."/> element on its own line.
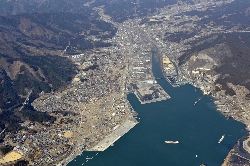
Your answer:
<point x="221" y="139"/>
<point x="171" y="142"/>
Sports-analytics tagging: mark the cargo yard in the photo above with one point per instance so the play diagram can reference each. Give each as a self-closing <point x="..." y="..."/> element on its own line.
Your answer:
<point x="147" y="93"/>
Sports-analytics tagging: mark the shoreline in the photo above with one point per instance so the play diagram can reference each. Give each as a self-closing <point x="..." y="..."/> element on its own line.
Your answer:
<point x="216" y="103"/>
<point x="105" y="143"/>
<point x="117" y="133"/>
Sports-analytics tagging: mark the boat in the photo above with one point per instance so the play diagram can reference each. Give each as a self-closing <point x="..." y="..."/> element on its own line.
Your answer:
<point x="171" y="142"/>
<point x="197" y="100"/>
<point x="221" y="139"/>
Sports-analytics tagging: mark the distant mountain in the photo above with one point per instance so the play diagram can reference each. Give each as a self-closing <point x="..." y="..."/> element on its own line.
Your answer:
<point x="31" y="45"/>
<point x="30" y="6"/>
<point x="230" y="46"/>
<point x="119" y="10"/>
<point x="33" y="35"/>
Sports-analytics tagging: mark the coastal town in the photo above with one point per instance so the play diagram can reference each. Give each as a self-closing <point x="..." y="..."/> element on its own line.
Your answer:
<point x="93" y="112"/>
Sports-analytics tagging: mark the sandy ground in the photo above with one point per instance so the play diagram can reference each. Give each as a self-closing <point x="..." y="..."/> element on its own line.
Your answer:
<point x="12" y="156"/>
<point x="68" y="134"/>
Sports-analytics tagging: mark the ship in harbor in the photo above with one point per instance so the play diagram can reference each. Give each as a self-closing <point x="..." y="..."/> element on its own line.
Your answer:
<point x="197" y="100"/>
<point x="171" y="142"/>
<point x="221" y="139"/>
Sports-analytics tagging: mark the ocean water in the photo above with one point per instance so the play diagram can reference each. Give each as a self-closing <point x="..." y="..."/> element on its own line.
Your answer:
<point x="198" y="129"/>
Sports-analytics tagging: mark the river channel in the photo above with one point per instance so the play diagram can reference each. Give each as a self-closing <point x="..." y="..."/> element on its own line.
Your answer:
<point x="197" y="127"/>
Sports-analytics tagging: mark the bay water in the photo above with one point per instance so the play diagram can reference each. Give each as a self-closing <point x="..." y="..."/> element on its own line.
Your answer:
<point x="197" y="127"/>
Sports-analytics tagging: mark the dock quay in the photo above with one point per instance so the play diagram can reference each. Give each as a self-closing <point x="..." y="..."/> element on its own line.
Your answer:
<point x="118" y="132"/>
<point x="148" y="93"/>
<point x="171" y="81"/>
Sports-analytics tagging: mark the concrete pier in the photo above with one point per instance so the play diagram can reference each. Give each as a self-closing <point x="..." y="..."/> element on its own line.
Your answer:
<point x="246" y="145"/>
<point x="114" y="136"/>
